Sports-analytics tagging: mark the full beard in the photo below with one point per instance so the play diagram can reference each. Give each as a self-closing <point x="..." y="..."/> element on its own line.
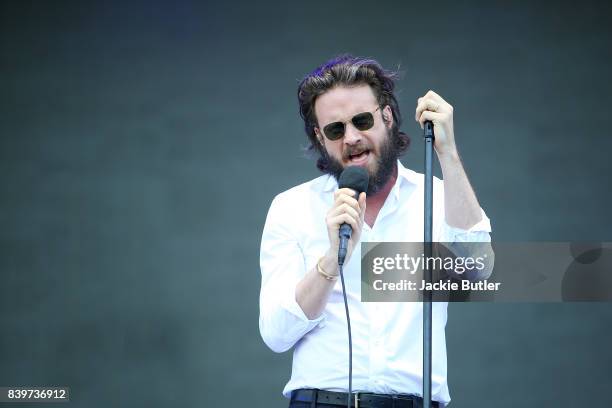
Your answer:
<point x="384" y="169"/>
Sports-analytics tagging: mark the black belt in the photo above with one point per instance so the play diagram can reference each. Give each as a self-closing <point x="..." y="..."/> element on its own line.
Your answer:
<point x="360" y="400"/>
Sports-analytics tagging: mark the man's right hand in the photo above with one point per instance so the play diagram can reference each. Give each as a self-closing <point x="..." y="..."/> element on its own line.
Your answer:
<point x="312" y="292"/>
<point x="345" y="210"/>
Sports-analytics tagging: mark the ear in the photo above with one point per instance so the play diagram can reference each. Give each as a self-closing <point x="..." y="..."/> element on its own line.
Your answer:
<point x="319" y="136"/>
<point x="387" y="115"/>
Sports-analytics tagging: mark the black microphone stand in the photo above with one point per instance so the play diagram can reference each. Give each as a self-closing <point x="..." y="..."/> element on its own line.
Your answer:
<point x="428" y="134"/>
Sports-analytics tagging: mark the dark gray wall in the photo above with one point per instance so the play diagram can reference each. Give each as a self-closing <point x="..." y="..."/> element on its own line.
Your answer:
<point x="141" y="146"/>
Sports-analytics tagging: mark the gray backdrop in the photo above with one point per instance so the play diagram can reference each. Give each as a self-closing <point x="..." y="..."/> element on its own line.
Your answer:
<point x="142" y="144"/>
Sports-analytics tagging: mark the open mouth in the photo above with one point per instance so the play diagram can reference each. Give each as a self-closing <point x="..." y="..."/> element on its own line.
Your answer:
<point x="359" y="157"/>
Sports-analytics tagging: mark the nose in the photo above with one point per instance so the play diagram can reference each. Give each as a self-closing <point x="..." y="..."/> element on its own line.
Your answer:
<point x="352" y="135"/>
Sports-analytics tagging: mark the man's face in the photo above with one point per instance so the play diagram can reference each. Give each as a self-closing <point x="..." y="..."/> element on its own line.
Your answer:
<point x="371" y="148"/>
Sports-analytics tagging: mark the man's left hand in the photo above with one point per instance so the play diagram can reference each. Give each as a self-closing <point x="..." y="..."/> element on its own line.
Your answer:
<point x="432" y="107"/>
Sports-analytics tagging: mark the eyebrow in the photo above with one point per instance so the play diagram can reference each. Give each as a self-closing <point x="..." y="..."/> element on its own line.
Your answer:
<point x="352" y="115"/>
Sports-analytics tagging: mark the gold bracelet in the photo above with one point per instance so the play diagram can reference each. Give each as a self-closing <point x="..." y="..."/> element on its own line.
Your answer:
<point x="326" y="275"/>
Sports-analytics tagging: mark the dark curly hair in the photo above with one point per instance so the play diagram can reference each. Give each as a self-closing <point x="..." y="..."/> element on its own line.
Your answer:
<point x="348" y="71"/>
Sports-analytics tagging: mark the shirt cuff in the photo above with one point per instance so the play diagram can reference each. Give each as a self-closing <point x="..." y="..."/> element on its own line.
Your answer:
<point x="479" y="232"/>
<point x="289" y="303"/>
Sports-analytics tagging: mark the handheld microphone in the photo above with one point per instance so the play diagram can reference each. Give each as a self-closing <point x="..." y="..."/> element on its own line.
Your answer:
<point x="356" y="178"/>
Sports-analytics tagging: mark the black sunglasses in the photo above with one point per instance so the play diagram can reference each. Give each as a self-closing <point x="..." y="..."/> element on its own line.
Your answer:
<point x="362" y="121"/>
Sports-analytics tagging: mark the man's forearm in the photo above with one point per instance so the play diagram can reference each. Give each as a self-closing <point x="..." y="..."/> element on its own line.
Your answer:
<point x="460" y="203"/>
<point x="313" y="291"/>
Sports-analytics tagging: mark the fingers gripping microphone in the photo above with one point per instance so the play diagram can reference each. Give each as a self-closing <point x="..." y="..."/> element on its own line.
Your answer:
<point x="356" y="178"/>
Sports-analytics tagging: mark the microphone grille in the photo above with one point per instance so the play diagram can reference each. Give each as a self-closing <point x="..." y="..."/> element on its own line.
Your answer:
<point x="355" y="178"/>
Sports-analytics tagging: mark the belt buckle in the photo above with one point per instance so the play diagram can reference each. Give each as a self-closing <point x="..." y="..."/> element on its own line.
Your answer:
<point x="356" y="400"/>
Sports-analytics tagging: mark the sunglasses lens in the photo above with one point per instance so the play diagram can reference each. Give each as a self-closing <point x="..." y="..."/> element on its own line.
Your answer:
<point x="334" y="131"/>
<point x="363" y="121"/>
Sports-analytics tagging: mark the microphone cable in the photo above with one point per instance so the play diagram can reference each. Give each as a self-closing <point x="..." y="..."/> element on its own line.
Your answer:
<point x="350" y="338"/>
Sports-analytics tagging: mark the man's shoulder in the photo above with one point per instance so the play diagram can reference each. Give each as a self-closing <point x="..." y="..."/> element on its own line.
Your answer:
<point x="301" y="193"/>
<point x="417" y="178"/>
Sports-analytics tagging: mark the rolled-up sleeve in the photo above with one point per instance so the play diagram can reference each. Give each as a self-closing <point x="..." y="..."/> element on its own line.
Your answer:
<point x="282" y="321"/>
<point x="479" y="232"/>
<point x="472" y="242"/>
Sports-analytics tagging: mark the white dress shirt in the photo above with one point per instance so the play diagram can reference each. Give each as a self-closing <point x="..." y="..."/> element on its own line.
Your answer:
<point x="387" y="337"/>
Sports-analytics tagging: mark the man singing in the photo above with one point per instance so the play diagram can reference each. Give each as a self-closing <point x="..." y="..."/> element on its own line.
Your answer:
<point x="352" y="118"/>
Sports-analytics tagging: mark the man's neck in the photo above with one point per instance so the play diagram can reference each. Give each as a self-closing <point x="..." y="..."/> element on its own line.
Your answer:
<point x="375" y="202"/>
